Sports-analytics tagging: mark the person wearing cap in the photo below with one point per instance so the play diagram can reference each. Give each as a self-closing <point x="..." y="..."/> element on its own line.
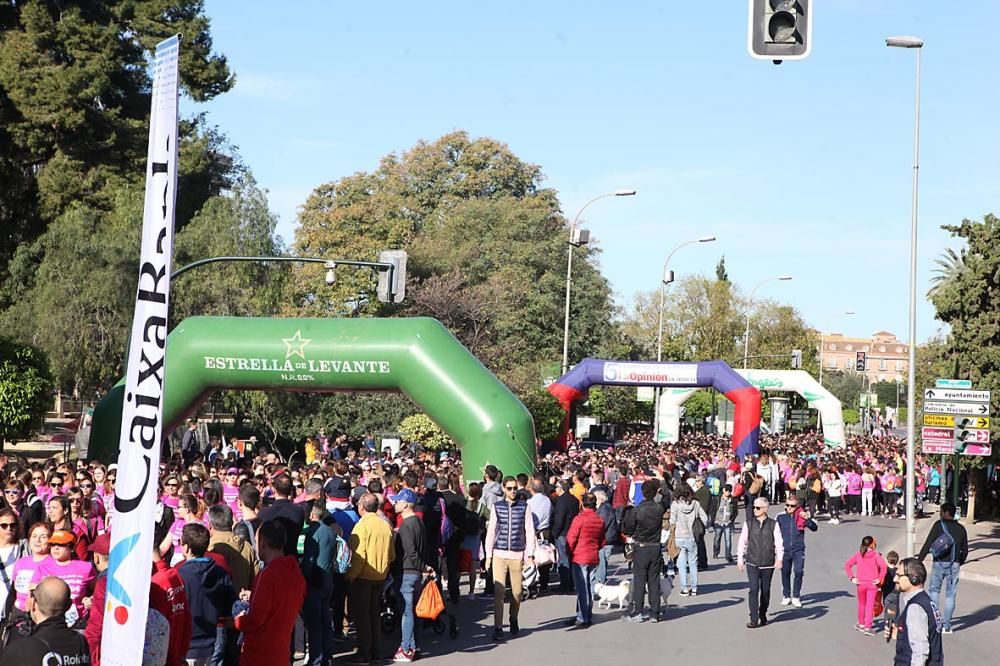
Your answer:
<point x="78" y="574"/>
<point x="231" y="491"/>
<point x="408" y="569"/>
<point x="50" y="641"/>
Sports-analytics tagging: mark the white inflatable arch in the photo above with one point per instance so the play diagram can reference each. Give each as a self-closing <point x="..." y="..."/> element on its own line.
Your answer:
<point x="795" y="381"/>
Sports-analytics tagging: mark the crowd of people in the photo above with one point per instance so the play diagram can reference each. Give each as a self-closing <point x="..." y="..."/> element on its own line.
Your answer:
<point x="248" y="546"/>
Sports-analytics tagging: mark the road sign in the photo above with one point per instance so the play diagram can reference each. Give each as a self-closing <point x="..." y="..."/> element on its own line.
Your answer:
<point x="978" y="450"/>
<point x="942" y="420"/>
<point x="960" y="408"/>
<point x="937" y="433"/>
<point x="965" y="421"/>
<point x="936" y="446"/>
<point x="972" y="436"/>
<point x="954" y="383"/>
<point x="960" y="395"/>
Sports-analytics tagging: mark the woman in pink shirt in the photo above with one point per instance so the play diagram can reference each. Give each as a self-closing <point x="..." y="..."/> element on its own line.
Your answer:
<point x="866" y="569"/>
<point x="27" y="565"/>
<point x="79" y="575"/>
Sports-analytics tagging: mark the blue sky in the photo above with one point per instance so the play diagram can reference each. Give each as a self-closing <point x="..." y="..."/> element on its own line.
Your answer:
<point x="800" y="169"/>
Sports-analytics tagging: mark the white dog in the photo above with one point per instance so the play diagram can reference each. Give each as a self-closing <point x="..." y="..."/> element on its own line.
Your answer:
<point x="609" y="593"/>
<point x="666" y="587"/>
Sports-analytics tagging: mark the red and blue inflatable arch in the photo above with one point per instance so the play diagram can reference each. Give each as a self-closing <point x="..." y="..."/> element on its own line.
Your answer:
<point x="573" y="386"/>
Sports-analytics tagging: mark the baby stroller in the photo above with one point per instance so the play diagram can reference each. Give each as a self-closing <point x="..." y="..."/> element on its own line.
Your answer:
<point x="392" y="611"/>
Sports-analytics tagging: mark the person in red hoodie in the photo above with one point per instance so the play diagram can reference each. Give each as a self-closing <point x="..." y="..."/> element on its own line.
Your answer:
<point x="168" y="595"/>
<point x="583" y="544"/>
<point x="866" y="569"/>
<point x="276" y="600"/>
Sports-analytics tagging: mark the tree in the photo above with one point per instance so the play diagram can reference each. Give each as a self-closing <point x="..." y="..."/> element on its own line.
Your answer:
<point x="25" y="390"/>
<point x="75" y="101"/>
<point x="720" y="270"/>
<point x="845" y="386"/>
<point x="619" y="404"/>
<point x="421" y="429"/>
<point x="776" y="330"/>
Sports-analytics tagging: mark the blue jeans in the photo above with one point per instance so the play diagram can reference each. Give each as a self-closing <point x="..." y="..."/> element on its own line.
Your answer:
<point x="944" y="573"/>
<point x="565" y="575"/>
<point x="792" y="562"/>
<point x="599" y="574"/>
<point x="584" y="593"/>
<point x="318" y="618"/>
<point x="687" y="562"/>
<point x="724" y="538"/>
<point x="406" y="591"/>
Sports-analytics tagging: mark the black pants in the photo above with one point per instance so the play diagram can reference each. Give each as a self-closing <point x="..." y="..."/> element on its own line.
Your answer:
<point x="702" y="553"/>
<point x="760" y="592"/>
<point x="451" y="565"/>
<point x="338" y="601"/>
<point x="646" y="565"/>
<point x="365" y="612"/>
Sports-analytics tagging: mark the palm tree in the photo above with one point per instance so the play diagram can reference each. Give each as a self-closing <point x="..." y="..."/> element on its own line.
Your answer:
<point x="951" y="265"/>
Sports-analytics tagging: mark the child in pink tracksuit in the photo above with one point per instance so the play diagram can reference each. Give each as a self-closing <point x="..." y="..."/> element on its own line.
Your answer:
<point x="866" y="569"/>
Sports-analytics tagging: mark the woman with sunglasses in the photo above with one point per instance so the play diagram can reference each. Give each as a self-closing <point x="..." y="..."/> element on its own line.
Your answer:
<point x="92" y="502"/>
<point x="85" y="524"/>
<point x="27" y="566"/>
<point x="60" y="517"/>
<point x="13" y="499"/>
<point x="78" y="574"/>
<point x="10" y="551"/>
<point x="171" y="492"/>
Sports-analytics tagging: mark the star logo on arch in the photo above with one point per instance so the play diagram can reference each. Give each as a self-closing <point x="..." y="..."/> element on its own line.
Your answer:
<point x="296" y="346"/>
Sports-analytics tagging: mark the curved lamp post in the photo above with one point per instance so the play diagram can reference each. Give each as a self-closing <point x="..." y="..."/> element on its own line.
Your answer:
<point x="746" y="333"/>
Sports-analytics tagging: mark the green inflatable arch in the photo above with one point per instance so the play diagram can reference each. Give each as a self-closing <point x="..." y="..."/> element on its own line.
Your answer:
<point x="416" y="356"/>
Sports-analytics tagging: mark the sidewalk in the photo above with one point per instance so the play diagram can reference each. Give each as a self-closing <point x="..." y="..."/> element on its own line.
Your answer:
<point x="983" y="562"/>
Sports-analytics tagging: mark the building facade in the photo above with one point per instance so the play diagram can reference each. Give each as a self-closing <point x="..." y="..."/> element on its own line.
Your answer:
<point x="886" y="358"/>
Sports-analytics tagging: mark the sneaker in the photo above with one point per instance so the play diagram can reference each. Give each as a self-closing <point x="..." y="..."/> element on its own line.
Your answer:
<point x="796" y="602"/>
<point x="405" y="656"/>
<point x="685" y="592"/>
<point x="859" y="627"/>
<point x="497" y="634"/>
<point x="633" y="619"/>
<point x="868" y="631"/>
<point x="515" y="628"/>
<point x="947" y="630"/>
<point x="694" y="591"/>
<point x="785" y="601"/>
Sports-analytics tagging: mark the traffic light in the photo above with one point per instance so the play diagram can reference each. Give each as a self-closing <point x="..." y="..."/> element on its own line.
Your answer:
<point x="392" y="291"/>
<point x="780" y="29"/>
<point x="796" y="359"/>
<point x="861" y="364"/>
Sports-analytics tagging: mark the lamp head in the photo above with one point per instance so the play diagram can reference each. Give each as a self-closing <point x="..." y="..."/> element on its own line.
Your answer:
<point x="706" y="239"/>
<point x="784" y="277"/>
<point x="331" y="272"/>
<point x="904" y="42"/>
<point x="624" y="193"/>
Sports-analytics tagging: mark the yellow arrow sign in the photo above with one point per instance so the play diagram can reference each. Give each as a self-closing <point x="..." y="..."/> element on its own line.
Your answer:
<point x="941" y="420"/>
<point x="972" y="422"/>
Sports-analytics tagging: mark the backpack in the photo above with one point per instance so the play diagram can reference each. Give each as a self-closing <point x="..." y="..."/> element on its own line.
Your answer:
<point x="253" y="537"/>
<point x="343" y="561"/>
<point x="817" y="486"/>
<point x="714" y="485"/>
<point x="944" y="545"/>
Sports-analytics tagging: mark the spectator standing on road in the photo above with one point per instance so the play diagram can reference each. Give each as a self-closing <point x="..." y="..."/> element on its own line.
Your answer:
<point x="760" y="551"/>
<point x="283" y="510"/>
<point x="372" y="552"/>
<point x="583" y="544"/>
<point x="644" y="524"/>
<point x="947" y="560"/>
<point x="564" y="509"/>
<point x="189" y="443"/>
<point x="611" y="537"/>
<point x="684" y="511"/>
<point x="408" y="568"/>
<point x="793" y="523"/>
<point x="275" y="602"/>
<point x="918" y="626"/>
<point x="318" y="555"/>
<point x="866" y="569"/>
<point x="510" y="543"/>
<point x="722" y="513"/>
<point x="703" y="496"/>
<point x="209" y="591"/>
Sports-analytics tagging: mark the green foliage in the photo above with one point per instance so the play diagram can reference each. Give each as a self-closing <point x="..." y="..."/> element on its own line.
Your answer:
<point x="421" y="429"/>
<point x="845" y="386"/>
<point x="886" y="392"/>
<point x="75" y="101"/>
<point x="618" y="404"/>
<point x="698" y="407"/>
<point x="851" y="416"/>
<point x="720" y="270"/>
<point x="546" y="412"/>
<point x="25" y="390"/>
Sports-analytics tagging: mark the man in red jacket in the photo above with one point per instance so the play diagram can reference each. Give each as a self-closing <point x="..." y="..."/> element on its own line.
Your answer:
<point x="583" y="544"/>
<point x="168" y="595"/>
<point x="278" y="593"/>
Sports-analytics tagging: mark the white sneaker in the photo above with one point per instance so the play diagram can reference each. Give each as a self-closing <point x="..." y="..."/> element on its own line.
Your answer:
<point x="796" y="602"/>
<point x="785" y="601"/>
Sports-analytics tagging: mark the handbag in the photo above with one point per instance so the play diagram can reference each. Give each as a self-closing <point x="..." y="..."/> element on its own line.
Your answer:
<point x="944" y="545"/>
<point x="545" y="553"/>
<point x="430" y="604"/>
<point x="672" y="549"/>
<point x="698" y="528"/>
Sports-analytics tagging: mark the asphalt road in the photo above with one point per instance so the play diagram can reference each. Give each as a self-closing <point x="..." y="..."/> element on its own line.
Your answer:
<point x="712" y="625"/>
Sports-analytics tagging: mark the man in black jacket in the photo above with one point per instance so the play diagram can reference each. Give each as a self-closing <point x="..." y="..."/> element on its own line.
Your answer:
<point x="291" y="516"/>
<point x="51" y="641"/>
<point x="704" y="497"/>
<point x="644" y="525"/>
<point x="564" y="510"/>
<point x="946" y="565"/>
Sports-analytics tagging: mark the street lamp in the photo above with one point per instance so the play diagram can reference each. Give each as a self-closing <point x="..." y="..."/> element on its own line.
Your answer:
<point x="665" y="279"/>
<point x="911" y="402"/>
<point x="746" y="333"/>
<point x="847" y="313"/>
<point x="576" y="240"/>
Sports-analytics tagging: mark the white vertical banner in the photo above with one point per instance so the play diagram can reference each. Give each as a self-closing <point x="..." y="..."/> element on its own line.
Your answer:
<point x="130" y="564"/>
